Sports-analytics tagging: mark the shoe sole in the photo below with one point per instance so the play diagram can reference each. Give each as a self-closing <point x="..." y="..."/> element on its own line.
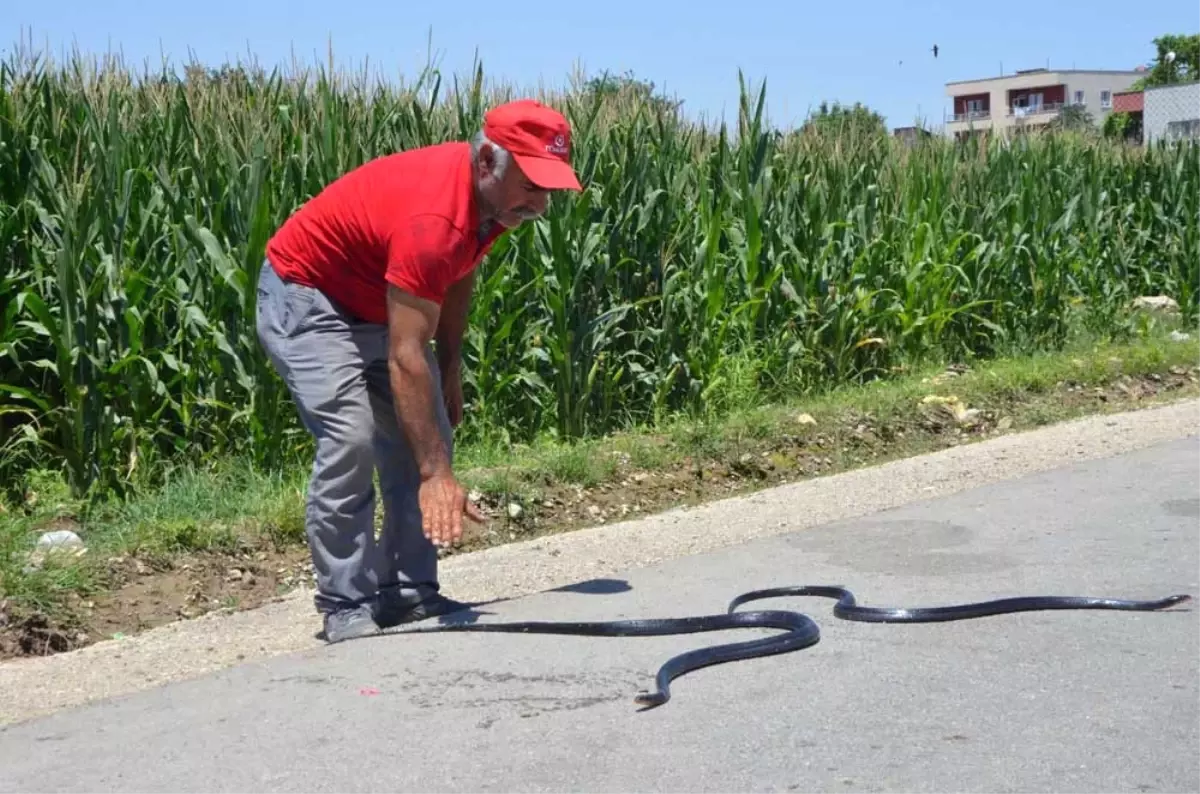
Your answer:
<point x="353" y="632"/>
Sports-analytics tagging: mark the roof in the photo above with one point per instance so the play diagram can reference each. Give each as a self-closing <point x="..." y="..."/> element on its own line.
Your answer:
<point x="1026" y="72"/>
<point x="911" y="130"/>
<point x="1128" y="102"/>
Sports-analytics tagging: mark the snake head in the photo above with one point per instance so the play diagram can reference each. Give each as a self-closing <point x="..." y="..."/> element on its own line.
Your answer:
<point x="649" y="700"/>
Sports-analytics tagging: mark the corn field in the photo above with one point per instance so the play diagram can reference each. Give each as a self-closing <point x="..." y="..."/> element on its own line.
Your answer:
<point x="700" y="265"/>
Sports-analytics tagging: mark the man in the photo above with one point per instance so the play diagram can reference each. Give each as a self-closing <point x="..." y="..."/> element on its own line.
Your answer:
<point x="356" y="286"/>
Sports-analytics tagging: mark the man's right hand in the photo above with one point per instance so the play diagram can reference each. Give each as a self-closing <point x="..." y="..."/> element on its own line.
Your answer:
<point x="443" y="504"/>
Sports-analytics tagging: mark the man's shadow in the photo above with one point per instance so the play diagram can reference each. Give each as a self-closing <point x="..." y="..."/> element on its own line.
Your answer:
<point x="473" y="611"/>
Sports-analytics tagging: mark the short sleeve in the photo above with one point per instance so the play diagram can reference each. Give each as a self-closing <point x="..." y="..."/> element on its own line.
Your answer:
<point x="422" y="257"/>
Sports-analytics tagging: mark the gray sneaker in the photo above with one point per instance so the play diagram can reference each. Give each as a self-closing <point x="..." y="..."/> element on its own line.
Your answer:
<point x="395" y="608"/>
<point x="350" y="624"/>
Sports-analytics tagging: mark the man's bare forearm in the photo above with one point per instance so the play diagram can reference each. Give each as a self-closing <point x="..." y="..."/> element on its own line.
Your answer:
<point x="412" y="392"/>
<point x="453" y="322"/>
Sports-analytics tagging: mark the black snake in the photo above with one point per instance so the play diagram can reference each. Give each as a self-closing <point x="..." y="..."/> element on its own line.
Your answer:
<point x="800" y="631"/>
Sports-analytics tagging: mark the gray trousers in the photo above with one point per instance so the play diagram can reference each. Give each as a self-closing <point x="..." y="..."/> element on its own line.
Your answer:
<point x="335" y="368"/>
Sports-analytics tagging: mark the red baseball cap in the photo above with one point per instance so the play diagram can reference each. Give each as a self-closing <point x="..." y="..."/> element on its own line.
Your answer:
<point x="539" y="139"/>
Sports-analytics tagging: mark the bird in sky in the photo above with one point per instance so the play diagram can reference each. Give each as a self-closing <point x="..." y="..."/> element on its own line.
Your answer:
<point x="935" y="50"/>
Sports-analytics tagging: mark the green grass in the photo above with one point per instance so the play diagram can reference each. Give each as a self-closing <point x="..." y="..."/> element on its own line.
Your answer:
<point x="222" y="509"/>
<point x="1014" y="383"/>
<point x="233" y="506"/>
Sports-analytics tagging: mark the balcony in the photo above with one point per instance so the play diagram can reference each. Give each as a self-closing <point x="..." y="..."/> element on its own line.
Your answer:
<point x="972" y="107"/>
<point x="970" y="115"/>
<point x="1039" y="109"/>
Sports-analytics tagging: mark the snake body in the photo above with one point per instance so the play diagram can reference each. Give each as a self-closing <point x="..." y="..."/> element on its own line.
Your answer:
<point x="847" y="608"/>
<point x="800" y="631"/>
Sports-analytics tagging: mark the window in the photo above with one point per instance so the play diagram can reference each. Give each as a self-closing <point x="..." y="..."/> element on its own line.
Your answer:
<point x="1179" y="130"/>
<point x="968" y="108"/>
<point x="1106" y="99"/>
<point x="1078" y="97"/>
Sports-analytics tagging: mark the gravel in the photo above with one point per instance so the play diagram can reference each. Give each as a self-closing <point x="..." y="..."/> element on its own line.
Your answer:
<point x="31" y="687"/>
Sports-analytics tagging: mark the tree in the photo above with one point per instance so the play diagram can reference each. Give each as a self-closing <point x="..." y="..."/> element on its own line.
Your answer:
<point x="1124" y="126"/>
<point x="1073" y="118"/>
<point x="610" y="87"/>
<point x="856" y="120"/>
<point x="1183" y="68"/>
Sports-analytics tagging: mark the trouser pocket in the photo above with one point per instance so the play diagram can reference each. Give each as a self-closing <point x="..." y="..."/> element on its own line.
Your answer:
<point x="282" y="307"/>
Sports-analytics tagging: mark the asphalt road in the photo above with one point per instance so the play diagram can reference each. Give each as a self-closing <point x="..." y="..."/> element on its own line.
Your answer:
<point x="1047" y="701"/>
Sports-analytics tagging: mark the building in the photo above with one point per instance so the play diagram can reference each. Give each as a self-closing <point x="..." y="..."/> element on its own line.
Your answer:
<point x="1171" y="112"/>
<point x="1131" y="104"/>
<point x="910" y="136"/>
<point x="1032" y="98"/>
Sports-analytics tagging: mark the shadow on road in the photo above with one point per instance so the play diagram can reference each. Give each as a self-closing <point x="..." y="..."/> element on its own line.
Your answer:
<point x="473" y="611"/>
<point x="595" y="587"/>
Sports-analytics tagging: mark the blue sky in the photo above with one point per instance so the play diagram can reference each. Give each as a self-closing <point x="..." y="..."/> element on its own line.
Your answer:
<point x="874" y="52"/>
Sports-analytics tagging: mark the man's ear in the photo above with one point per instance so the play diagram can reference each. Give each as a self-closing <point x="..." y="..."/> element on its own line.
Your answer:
<point x="487" y="161"/>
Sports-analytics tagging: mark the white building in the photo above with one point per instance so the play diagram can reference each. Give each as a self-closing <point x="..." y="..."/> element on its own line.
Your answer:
<point x="1033" y="97"/>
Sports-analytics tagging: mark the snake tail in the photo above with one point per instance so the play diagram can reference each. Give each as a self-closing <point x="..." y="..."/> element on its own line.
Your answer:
<point x="847" y="608"/>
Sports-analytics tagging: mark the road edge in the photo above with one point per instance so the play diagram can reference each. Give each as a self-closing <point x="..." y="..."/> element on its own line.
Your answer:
<point x="33" y="687"/>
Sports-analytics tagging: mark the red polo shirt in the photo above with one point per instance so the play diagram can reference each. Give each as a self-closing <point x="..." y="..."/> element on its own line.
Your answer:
<point x="408" y="218"/>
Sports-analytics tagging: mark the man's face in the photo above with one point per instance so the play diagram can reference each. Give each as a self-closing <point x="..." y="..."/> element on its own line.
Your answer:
<point x="511" y="198"/>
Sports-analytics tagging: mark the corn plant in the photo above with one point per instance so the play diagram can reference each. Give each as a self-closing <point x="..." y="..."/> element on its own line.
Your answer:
<point x="135" y="208"/>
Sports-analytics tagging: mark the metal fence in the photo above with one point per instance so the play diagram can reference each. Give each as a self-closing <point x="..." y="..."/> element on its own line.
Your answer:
<point x="1172" y="112"/>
